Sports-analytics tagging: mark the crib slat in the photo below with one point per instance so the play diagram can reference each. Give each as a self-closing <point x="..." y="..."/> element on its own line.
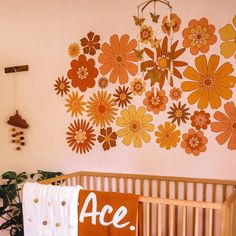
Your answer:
<point x="194" y="198"/>
<point x="167" y="208"/>
<point x="150" y="210"/>
<point x="125" y="185"/>
<point x="210" y="222"/>
<point x="171" y="223"/>
<point x="196" y="228"/>
<point x="213" y="212"/>
<point x="159" y="220"/>
<point x="88" y="182"/>
<point x="147" y="219"/>
<point x="133" y="186"/>
<point x="223" y="192"/>
<point x="184" y="221"/>
<point x="176" y="208"/>
<point x="110" y="184"/>
<point x="204" y="210"/>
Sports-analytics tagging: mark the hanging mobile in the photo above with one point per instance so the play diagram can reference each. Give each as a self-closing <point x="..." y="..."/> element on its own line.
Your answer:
<point x="16" y="121"/>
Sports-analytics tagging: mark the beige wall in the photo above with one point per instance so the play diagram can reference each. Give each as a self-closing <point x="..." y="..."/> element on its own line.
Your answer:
<point x="38" y="33"/>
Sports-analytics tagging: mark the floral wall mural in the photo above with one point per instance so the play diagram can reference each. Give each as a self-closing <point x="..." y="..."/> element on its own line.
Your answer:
<point x="121" y="88"/>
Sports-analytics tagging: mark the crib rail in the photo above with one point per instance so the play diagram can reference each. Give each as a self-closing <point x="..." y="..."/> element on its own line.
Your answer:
<point x="199" y="219"/>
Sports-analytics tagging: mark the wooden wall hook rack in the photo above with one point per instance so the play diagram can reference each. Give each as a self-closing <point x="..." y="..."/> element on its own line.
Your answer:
<point x="14" y="69"/>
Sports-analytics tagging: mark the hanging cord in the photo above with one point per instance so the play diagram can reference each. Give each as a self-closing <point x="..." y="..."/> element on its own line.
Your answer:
<point x="14" y="90"/>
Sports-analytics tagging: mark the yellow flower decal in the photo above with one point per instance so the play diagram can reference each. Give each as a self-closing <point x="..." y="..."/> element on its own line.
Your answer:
<point x="167" y="136"/>
<point x="135" y="125"/>
<point x="228" y="35"/>
<point x="209" y="84"/>
<point x="138" y="87"/>
<point x="75" y="104"/>
<point x="146" y="34"/>
<point x="73" y="49"/>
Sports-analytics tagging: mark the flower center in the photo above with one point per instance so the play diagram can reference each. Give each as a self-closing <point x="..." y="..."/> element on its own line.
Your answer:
<point x="200" y="120"/>
<point x="90" y="43"/>
<point x="155" y="101"/>
<point x="62" y="86"/>
<point x="123" y="96"/>
<point x="176" y="94"/>
<point x="101" y="108"/>
<point x="107" y="138"/>
<point x="234" y="125"/>
<point x="119" y="59"/>
<point x="167" y="135"/>
<point x="207" y="82"/>
<point x="145" y="34"/>
<point x="193" y="142"/>
<point x="178" y="113"/>
<point x="162" y="63"/>
<point x="135" y="126"/>
<point x="75" y="104"/>
<point x="138" y="87"/>
<point x="82" y="72"/>
<point x="80" y="136"/>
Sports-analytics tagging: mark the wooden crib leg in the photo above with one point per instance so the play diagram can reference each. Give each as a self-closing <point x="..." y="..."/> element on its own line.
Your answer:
<point x="184" y="221"/>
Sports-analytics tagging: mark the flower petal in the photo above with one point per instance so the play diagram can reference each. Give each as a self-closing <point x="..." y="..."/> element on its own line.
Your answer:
<point x="224" y="70"/>
<point x="230" y="110"/>
<point x="227" y="49"/>
<point x="132" y="68"/>
<point x="223" y="137"/>
<point x="224" y="92"/>
<point x="114" y="75"/>
<point x="214" y="98"/>
<point x="213" y="63"/>
<point x="189" y="86"/>
<point x="219" y="126"/>
<point x="123" y="75"/>
<point x="227" y="32"/>
<point x="232" y="141"/>
<point x="127" y="140"/>
<point x="137" y="141"/>
<point x="201" y="64"/>
<point x="220" y="116"/>
<point x="115" y="44"/>
<point x="204" y="100"/>
<point x="145" y="136"/>
<point x="194" y="96"/>
<point x="122" y="132"/>
<point x="192" y="74"/>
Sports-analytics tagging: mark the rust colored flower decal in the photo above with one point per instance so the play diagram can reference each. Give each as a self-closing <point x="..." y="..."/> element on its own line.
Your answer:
<point x="83" y="73"/>
<point x="146" y="34"/>
<point x="62" y="86"/>
<point x="73" y="49"/>
<point x="135" y="125"/>
<point x="179" y="113"/>
<point x="175" y="94"/>
<point x="101" y="108"/>
<point x="80" y="136"/>
<point x="119" y="58"/>
<point x="155" y="102"/>
<point x="103" y="83"/>
<point x="174" y="22"/>
<point x="90" y="44"/>
<point x="158" y="67"/>
<point x="122" y="96"/>
<point x="199" y="36"/>
<point x="208" y="83"/>
<point x="228" y="35"/>
<point x="226" y="125"/>
<point x="167" y="136"/>
<point x="75" y="104"/>
<point x="108" y="138"/>
<point x="194" y="142"/>
<point x="137" y="87"/>
<point x="200" y="120"/>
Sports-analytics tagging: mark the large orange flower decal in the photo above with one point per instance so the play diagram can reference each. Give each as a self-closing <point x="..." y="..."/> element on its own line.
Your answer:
<point x="83" y="73"/>
<point x="208" y="83"/>
<point x="199" y="36"/>
<point x="157" y="69"/>
<point x="118" y="58"/>
<point x="226" y="125"/>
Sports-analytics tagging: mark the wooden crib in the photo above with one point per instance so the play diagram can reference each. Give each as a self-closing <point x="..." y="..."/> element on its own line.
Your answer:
<point x="172" y="206"/>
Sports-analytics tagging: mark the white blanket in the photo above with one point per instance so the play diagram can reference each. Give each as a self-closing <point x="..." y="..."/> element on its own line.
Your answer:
<point x="50" y="210"/>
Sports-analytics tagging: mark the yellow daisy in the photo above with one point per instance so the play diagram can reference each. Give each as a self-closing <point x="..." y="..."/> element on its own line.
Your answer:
<point x="228" y="35"/>
<point x="101" y="109"/>
<point x="135" y="126"/>
<point x="73" y="49"/>
<point x="75" y="104"/>
<point x="209" y="84"/>
<point x="167" y="135"/>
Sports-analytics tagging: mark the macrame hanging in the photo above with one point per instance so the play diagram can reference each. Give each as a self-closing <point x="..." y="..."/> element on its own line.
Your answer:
<point x="16" y="121"/>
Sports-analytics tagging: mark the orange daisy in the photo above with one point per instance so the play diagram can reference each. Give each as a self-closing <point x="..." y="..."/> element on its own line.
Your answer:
<point x="200" y="120"/>
<point x="175" y="94"/>
<point x="226" y="124"/>
<point x="199" y="36"/>
<point x="159" y="66"/>
<point x="194" y="142"/>
<point x="118" y="58"/>
<point x="101" y="108"/>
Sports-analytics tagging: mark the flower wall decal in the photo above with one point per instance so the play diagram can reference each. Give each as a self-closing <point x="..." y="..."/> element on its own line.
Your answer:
<point x="120" y="92"/>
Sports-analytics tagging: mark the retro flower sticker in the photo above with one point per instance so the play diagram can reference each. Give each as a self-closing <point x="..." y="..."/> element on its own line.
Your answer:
<point x="167" y="136"/>
<point x="146" y="34"/>
<point x="138" y="87"/>
<point x="157" y="67"/>
<point x="101" y="108"/>
<point x="73" y="49"/>
<point x="108" y="138"/>
<point x="200" y="120"/>
<point x="194" y="142"/>
<point x="175" y="94"/>
<point x="75" y="104"/>
<point x="62" y="86"/>
<point x="226" y="125"/>
<point x="174" y="22"/>
<point x="83" y="73"/>
<point x="122" y="96"/>
<point x="91" y="43"/>
<point x="155" y="101"/>
<point x="228" y="35"/>
<point x="80" y="136"/>
<point x="119" y="58"/>
<point x="135" y="125"/>
<point x="209" y="84"/>
<point x="199" y="36"/>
